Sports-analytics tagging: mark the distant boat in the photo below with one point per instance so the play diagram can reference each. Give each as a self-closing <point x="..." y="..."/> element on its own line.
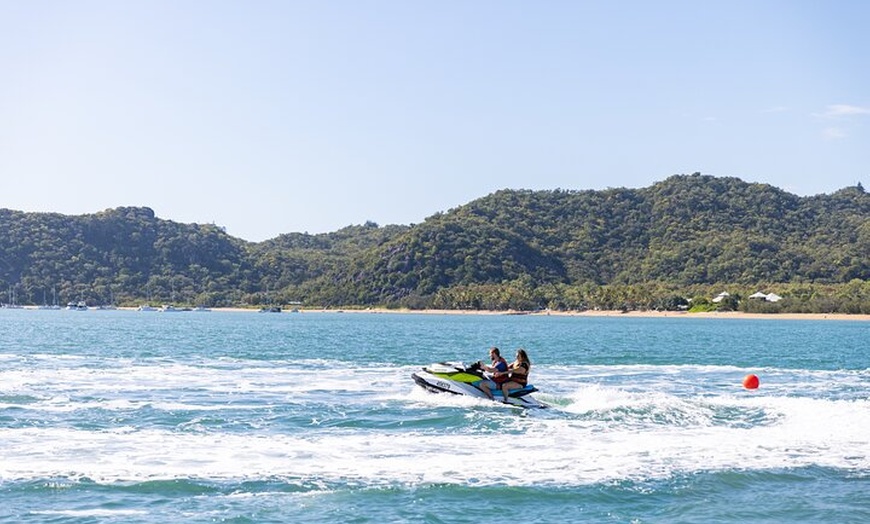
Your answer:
<point x="111" y="305"/>
<point x="201" y="309"/>
<point x="54" y="304"/>
<point x="81" y="305"/>
<point x="12" y="300"/>
<point x="168" y="308"/>
<point x="45" y="302"/>
<point x="46" y="306"/>
<point x="271" y="309"/>
<point x="146" y="307"/>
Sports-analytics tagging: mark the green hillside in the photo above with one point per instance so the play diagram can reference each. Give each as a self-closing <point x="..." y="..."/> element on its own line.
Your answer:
<point x="618" y="248"/>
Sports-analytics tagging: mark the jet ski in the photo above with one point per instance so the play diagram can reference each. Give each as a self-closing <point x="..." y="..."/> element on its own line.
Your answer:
<point x="457" y="378"/>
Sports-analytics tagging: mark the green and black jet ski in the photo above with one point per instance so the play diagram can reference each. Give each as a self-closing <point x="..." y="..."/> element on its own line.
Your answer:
<point x="461" y="379"/>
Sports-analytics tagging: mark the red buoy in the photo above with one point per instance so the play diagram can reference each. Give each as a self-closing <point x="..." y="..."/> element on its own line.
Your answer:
<point x="750" y="381"/>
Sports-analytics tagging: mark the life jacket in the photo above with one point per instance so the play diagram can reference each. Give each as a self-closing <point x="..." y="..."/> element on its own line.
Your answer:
<point x="500" y="379"/>
<point x="520" y="374"/>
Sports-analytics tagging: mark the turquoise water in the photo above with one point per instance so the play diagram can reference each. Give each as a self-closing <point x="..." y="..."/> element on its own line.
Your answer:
<point x="140" y="417"/>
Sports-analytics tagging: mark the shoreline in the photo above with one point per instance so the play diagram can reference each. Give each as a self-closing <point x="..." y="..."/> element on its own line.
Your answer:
<point x="587" y="313"/>
<point x="615" y="313"/>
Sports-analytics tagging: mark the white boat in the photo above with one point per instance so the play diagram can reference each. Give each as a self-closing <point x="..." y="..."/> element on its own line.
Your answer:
<point x="168" y="308"/>
<point x="46" y="305"/>
<point x="12" y="300"/>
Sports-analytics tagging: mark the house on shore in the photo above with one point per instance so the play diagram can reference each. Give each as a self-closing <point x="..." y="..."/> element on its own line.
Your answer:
<point x="720" y="297"/>
<point x="768" y="297"/>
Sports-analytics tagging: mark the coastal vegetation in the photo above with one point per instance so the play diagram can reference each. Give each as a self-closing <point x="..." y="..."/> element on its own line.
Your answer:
<point x="673" y="245"/>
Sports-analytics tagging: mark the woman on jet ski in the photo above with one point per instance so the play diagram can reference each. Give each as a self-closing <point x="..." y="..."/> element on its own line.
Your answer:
<point x="499" y="365"/>
<point x="517" y="373"/>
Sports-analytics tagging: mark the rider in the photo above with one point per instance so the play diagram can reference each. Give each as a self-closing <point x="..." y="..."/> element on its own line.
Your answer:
<point x="499" y="365"/>
<point x="517" y="374"/>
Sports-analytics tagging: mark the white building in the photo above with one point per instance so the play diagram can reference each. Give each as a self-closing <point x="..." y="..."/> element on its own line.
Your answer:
<point x="770" y="297"/>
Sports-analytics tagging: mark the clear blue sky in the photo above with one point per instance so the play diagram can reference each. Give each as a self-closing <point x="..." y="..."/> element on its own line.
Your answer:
<point x="271" y="117"/>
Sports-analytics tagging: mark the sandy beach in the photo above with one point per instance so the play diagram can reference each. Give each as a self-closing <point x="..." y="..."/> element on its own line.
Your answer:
<point x="591" y="313"/>
<point x="588" y="313"/>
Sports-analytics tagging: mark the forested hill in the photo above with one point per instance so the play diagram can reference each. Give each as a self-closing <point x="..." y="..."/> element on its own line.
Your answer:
<point x="550" y="248"/>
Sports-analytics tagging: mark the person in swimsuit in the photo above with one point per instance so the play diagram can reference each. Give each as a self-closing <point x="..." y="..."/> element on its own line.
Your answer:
<point x="517" y="373"/>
